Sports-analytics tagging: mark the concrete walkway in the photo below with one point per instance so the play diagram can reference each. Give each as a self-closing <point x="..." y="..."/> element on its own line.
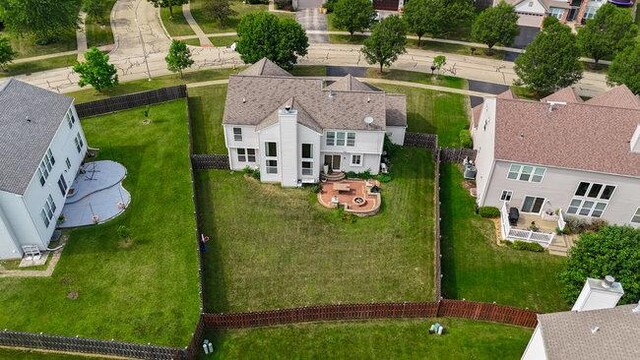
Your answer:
<point x="81" y="36"/>
<point x="204" y="40"/>
<point x="55" y="257"/>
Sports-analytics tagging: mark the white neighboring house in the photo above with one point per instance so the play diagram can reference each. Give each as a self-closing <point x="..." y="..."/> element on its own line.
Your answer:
<point x="41" y="148"/>
<point x="532" y="12"/>
<point x="291" y="127"/>
<point x="595" y="328"/>
<point x="560" y="153"/>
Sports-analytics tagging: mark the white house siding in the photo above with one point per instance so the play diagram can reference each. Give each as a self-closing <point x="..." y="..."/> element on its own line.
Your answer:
<point x="367" y="143"/>
<point x="535" y="348"/>
<point x="288" y="167"/>
<point x="9" y="245"/>
<point x="308" y="136"/>
<point x="558" y="187"/>
<point x="396" y="134"/>
<point x="249" y="141"/>
<point x="483" y="143"/>
<point x="270" y="134"/>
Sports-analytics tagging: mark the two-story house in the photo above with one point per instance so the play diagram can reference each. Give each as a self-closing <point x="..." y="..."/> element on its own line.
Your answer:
<point x="293" y="129"/>
<point x="41" y="148"/>
<point x="561" y="153"/>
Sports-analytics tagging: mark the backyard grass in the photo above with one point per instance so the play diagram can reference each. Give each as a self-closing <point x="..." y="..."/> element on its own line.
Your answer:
<point x="475" y="268"/>
<point x="276" y="248"/>
<point x="142" y="292"/>
<point x="99" y="32"/>
<point x="385" y="339"/>
<point x="193" y="42"/>
<point x="176" y="25"/>
<point x="26" y="47"/>
<point x="30" y="67"/>
<point x="434" y="112"/>
<point x="206" y="106"/>
<point x="210" y="26"/>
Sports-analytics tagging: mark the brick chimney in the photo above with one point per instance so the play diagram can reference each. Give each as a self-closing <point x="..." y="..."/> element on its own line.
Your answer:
<point x="599" y="294"/>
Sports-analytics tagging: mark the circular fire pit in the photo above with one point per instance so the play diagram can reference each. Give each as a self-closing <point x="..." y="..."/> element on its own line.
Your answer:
<point x="359" y="200"/>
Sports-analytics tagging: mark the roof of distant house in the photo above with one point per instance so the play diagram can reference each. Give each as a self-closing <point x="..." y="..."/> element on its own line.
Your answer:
<point x="574" y="135"/>
<point x="619" y="96"/>
<point x="567" y="95"/>
<point x="594" y="334"/>
<point x="255" y="95"/>
<point x="546" y="3"/>
<point x="29" y="119"/>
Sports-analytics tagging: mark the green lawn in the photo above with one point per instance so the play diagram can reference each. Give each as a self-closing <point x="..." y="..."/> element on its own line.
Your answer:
<point x="26" y="47"/>
<point x="194" y="42"/>
<point x="206" y="106"/>
<point x="434" y="112"/>
<point x="99" y="32"/>
<point x="475" y="268"/>
<point x="277" y="248"/>
<point x="146" y="292"/>
<point x="37" y="355"/>
<point x="209" y="26"/>
<point x="30" y="67"/>
<point x="176" y="25"/>
<point x="223" y="41"/>
<point x="384" y="339"/>
<point x="418" y="77"/>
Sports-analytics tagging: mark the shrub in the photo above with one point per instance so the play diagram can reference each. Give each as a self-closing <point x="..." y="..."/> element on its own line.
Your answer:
<point x="527" y="246"/>
<point x="316" y="188"/>
<point x="329" y="5"/>
<point x="253" y="2"/>
<point x="577" y="225"/>
<point x="465" y="139"/>
<point x="254" y="173"/>
<point x="123" y="232"/>
<point x="363" y="175"/>
<point x="489" y="212"/>
<point x="384" y="178"/>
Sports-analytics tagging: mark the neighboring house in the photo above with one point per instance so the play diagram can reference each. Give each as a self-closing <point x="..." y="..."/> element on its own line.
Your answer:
<point x="388" y="5"/>
<point x="532" y="12"/>
<point x="41" y="147"/>
<point x="560" y="153"/>
<point x="595" y="328"/>
<point x="290" y="127"/>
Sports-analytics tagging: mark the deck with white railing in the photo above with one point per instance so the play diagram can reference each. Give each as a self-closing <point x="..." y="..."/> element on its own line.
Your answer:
<point x="513" y="233"/>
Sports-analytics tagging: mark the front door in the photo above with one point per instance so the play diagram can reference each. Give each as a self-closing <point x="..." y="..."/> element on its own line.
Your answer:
<point x="532" y="204"/>
<point x="333" y="161"/>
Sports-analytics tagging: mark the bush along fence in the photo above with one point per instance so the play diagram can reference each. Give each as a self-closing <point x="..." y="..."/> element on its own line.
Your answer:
<point x="210" y="161"/>
<point x="443" y="308"/>
<point x="129" y="101"/>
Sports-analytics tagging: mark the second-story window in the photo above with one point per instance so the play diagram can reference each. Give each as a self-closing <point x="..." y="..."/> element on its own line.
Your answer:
<point x="237" y="134"/>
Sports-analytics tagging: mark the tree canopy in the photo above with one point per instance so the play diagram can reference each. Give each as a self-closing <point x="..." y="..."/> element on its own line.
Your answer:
<point x="95" y="9"/>
<point x="44" y="19"/>
<point x="552" y="60"/>
<point x="280" y="40"/>
<point x="611" y="251"/>
<point x="387" y="41"/>
<point x="625" y="68"/>
<point x="496" y="25"/>
<point x="179" y="57"/>
<point x="611" y="30"/>
<point x="437" y="17"/>
<point x="219" y="10"/>
<point x="168" y="4"/>
<point x="96" y="70"/>
<point x="6" y="53"/>
<point x="353" y="15"/>
<point x="416" y="14"/>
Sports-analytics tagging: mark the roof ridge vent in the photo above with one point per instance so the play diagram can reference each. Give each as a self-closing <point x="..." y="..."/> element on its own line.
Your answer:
<point x="553" y="104"/>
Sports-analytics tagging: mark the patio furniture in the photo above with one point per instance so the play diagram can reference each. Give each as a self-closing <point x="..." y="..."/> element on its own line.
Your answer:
<point x="514" y="215"/>
<point x="339" y="187"/>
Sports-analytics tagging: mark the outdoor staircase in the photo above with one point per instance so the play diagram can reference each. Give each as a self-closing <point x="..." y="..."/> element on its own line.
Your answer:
<point x="334" y="176"/>
<point x="560" y="245"/>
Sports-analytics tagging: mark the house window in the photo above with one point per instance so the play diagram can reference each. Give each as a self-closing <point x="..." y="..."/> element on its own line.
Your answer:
<point x="272" y="150"/>
<point x="45" y="166"/>
<point x="62" y="184"/>
<point x="636" y="217"/>
<point x="307" y="151"/>
<point x="237" y="134"/>
<point x="47" y="210"/>
<point x="70" y="119"/>
<point x="532" y="204"/>
<point x="79" y="143"/>
<point x="68" y="162"/>
<point x="272" y="166"/>
<point x="590" y="199"/>
<point x="526" y="173"/>
<point x="247" y="155"/>
<point x="356" y="160"/>
<point x="556" y="12"/>
<point x="590" y="13"/>
<point x="341" y="138"/>
<point x="506" y="195"/>
<point x="307" y="168"/>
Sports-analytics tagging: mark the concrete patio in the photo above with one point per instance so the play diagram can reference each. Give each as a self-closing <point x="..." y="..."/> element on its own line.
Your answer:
<point x="355" y="196"/>
<point x="97" y="195"/>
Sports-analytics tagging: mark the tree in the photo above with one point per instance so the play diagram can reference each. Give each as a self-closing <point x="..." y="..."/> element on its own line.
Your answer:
<point x="625" y="68"/>
<point x="6" y="53"/>
<point x="45" y="19"/>
<point x="551" y="60"/>
<point x="496" y="25"/>
<point x="353" y="15"/>
<point x="263" y="34"/>
<point x="438" y="62"/>
<point x="95" y="9"/>
<point x="611" y="251"/>
<point x="168" y="4"/>
<point x="416" y="13"/>
<point x="611" y="30"/>
<point x="387" y="42"/>
<point x="219" y="10"/>
<point x="96" y="70"/>
<point x="179" y="57"/>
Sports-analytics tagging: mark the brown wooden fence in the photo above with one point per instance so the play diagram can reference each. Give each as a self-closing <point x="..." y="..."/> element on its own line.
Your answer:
<point x="456" y="155"/>
<point x="210" y="161"/>
<point x="437" y="263"/>
<point x="429" y="141"/>
<point x="444" y="308"/>
<point x="129" y="101"/>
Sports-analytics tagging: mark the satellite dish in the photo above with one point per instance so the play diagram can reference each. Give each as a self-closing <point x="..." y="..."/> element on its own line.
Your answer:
<point x="368" y="120"/>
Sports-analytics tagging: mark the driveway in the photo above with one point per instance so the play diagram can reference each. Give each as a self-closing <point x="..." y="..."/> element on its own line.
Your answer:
<point x="313" y="19"/>
<point x="486" y="87"/>
<point x="309" y="4"/>
<point x="525" y="36"/>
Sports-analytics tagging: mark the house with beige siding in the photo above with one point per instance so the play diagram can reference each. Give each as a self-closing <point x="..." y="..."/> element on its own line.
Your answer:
<point x="295" y="130"/>
<point x="561" y="155"/>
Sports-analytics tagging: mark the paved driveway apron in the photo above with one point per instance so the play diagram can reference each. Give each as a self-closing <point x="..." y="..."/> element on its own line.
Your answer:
<point x="310" y="17"/>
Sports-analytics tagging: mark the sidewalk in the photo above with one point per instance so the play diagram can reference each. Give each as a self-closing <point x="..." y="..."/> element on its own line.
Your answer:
<point x="204" y="40"/>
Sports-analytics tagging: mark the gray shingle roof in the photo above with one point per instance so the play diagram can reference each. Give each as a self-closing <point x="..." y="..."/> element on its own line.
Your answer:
<point x="349" y="83"/>
<point x="23" y="143"/>
<point x="396" y="110"/>
<point x="569" y="335"/>
<point x="265" y="67"/>
<point x="303" y="116"/>
<point x="619" y="96"/>
<point x="251" y="99"/>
